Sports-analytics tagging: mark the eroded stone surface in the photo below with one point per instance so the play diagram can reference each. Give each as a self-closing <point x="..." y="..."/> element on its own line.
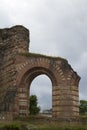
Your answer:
<point x="18" y="68"/>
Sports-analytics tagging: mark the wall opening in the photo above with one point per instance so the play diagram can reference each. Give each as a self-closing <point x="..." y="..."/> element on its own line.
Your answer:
<point x="41" y="86"/>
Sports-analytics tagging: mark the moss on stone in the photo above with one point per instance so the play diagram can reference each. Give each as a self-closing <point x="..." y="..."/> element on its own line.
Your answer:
<point x="27" y="54"/>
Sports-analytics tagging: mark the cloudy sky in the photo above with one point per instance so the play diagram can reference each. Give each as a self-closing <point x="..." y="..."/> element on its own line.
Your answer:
<point x="57" y="28"/>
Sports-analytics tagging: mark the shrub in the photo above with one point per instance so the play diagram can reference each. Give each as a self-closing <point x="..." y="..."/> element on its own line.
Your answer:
<point x="10" y="127"/>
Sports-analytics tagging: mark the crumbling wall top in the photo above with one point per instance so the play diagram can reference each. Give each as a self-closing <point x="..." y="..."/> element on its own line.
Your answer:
<point x="17" y="36"/>
<point x="8" y="32"/>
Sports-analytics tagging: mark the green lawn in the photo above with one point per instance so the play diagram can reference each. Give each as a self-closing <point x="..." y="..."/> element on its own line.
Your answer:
<point x="39" y="126"/>
<point x="38" y="123"/>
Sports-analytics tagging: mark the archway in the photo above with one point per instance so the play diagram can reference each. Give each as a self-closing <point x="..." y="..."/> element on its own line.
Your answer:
<point x="18" y="69"/>
<point x="41" y="86"/>
<point x="24" y="89"/>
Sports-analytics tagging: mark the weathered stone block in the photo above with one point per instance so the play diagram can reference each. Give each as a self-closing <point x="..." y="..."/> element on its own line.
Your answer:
<point x="18" y="68"/>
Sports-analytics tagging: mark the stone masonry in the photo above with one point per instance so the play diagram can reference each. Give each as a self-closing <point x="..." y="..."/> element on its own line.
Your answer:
<point x="19" y="67"/>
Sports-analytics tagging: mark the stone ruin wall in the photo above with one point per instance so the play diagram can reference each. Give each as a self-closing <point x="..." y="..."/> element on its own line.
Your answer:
<point x="12" y="41"/>
<point x="65" y="96"/>
<point x="16" y="40"/>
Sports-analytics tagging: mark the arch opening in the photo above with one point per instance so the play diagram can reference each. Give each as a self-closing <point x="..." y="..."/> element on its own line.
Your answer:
<point x="25" y="85"/>
<point x="41" y="86"/>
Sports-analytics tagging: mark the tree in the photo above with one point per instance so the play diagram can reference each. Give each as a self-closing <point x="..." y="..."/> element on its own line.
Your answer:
<point x="34" y="109"/>
<point x="83" y="107"/>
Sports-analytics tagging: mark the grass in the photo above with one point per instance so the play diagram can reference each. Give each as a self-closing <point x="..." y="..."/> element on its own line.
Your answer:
<point x="40" y="123"/>
<point x="28" y="54"/>
<point x="10" y="126"/>
<point x="54" y="126"/>
<point x="40" y="126"/>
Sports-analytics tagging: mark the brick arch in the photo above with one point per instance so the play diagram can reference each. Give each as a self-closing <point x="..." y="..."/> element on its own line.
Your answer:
<point x="50" y="65"/>
<point x="18" y="67"/>
<point x="28" y="73"/>
<point x="64" y="82"/>
<point x="35" y="71"/>
<point x="29" y="76"/>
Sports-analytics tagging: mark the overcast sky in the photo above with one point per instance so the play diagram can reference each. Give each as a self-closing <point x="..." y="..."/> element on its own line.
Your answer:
<point x="57" y="28"/>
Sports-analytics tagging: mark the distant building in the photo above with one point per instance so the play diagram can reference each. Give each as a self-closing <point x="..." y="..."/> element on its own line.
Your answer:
<point x="47" y="111"/>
